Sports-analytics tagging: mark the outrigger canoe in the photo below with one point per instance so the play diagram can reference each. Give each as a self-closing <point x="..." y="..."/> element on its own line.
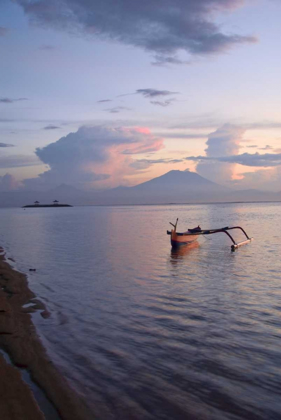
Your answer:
<point x="191" y="235"/>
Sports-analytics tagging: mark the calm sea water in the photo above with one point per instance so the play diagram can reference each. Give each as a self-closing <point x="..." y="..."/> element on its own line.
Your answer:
<point x="143" y="332"/>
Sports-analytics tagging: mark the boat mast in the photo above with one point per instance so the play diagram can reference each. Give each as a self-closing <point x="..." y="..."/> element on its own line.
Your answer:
<point x="174" y="225"/>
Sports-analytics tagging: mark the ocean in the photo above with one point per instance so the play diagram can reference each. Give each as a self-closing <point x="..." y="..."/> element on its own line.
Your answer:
<point x="145" y="332"/>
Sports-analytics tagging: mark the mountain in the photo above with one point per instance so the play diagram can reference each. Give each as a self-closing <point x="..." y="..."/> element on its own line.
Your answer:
<point x="180" y="180"/>
<point x="181" y="187"/>
<point x="172" y="187"/>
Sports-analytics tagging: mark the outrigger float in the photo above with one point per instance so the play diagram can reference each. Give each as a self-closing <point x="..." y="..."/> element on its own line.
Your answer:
<point x="192" y="235"/>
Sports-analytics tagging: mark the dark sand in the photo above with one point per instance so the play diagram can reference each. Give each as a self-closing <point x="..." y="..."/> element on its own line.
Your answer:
<point x="18" y="338"/>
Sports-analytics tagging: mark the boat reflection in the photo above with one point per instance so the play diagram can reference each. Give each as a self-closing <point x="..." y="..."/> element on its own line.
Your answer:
<point x="183" y="251"/>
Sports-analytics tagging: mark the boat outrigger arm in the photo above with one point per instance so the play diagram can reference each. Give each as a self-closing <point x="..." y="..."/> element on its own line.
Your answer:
<point x="198" y="231"/>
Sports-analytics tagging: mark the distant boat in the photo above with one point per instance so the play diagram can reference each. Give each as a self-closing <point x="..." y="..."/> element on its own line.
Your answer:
<point x="38" y="205"/>
<point x="192" y="235"/>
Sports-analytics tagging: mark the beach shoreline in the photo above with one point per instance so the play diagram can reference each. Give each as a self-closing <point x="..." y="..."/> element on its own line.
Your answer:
<point x="18" y="339"/>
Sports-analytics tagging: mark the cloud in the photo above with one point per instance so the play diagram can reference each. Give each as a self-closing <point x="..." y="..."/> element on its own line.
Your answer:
<point x="51" y="127"/>
<point x="261" y="125"/>
<point x="97" y="155"/>
<point x="18" y="161"/>
<point x="8" y="183"/>
<point x="10" y="100"/>
<point x="265" y="160"/>
<point x="117" y="109"/>
<point x="261" y="179"/>
<point x="6" y="145"/>
<point x="223" y="142"/>
<point x="104" y="100"/>
<point x="162" y="60"/>
<point x="212" y="120"/>
<point x="222" y="154"/>
<point x="3" y="31"/>
<point x="161" y="27"/>
<point x="142" y="164"/>
<point x="163" y="103"/>
<point x="182" y="135"/>
<point x="152" y="93"/>
<point x="47" y="47"/>
<point x="4" y="120"/>
<point x="267" y="147"/>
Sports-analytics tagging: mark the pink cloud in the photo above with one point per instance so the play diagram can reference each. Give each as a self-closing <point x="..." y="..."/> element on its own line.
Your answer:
<point x="144" y="130"/>
<point x="95" y="156"/>
<point x="8" y="183"/>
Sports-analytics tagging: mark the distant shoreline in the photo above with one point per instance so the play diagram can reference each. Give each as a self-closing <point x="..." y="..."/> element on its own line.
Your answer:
<point x="19" y="340"/>
<point x="145" y="204"/>
<point x="155" y="204"/>
<point x="178" y="204"/>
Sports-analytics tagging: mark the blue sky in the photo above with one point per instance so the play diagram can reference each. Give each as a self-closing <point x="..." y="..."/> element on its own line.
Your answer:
<point x="212" y="67"/>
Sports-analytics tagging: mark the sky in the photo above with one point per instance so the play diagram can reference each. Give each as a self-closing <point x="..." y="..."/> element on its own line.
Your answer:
<point x="100" y="94"/>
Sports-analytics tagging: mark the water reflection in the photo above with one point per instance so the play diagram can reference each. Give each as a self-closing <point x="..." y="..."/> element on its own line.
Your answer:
<point x="183" y="251"/>
<point x="154" y="333"/>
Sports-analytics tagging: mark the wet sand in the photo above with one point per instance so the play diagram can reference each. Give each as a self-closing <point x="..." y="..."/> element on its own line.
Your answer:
<point x="18" y="338"/>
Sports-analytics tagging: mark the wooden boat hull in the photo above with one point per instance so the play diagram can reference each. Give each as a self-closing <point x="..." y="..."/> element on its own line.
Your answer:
<point x="178" y="239"/>
<point x="191" y="235"/>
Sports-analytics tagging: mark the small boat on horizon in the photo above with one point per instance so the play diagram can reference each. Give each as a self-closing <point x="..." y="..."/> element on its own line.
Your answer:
<point x="37" y="205"/>
<point x="191" y="235"/>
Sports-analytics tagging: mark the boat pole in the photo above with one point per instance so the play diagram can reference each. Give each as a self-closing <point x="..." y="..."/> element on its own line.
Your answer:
<point x="235" y="246"/>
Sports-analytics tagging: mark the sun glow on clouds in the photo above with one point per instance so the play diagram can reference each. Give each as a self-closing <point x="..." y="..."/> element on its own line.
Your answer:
<point x="119" y="163"/>
<point x="94" y="156"/>
<point x="225" y="164"/>
<point x="143" y="130"/>
<point x="225" y="141"/>
<point x="259" y="141"/>
<point x="106" y="156"/>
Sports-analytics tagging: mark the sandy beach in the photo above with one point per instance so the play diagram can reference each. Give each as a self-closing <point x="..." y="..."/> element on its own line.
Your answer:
<point x="19" y="340"/>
